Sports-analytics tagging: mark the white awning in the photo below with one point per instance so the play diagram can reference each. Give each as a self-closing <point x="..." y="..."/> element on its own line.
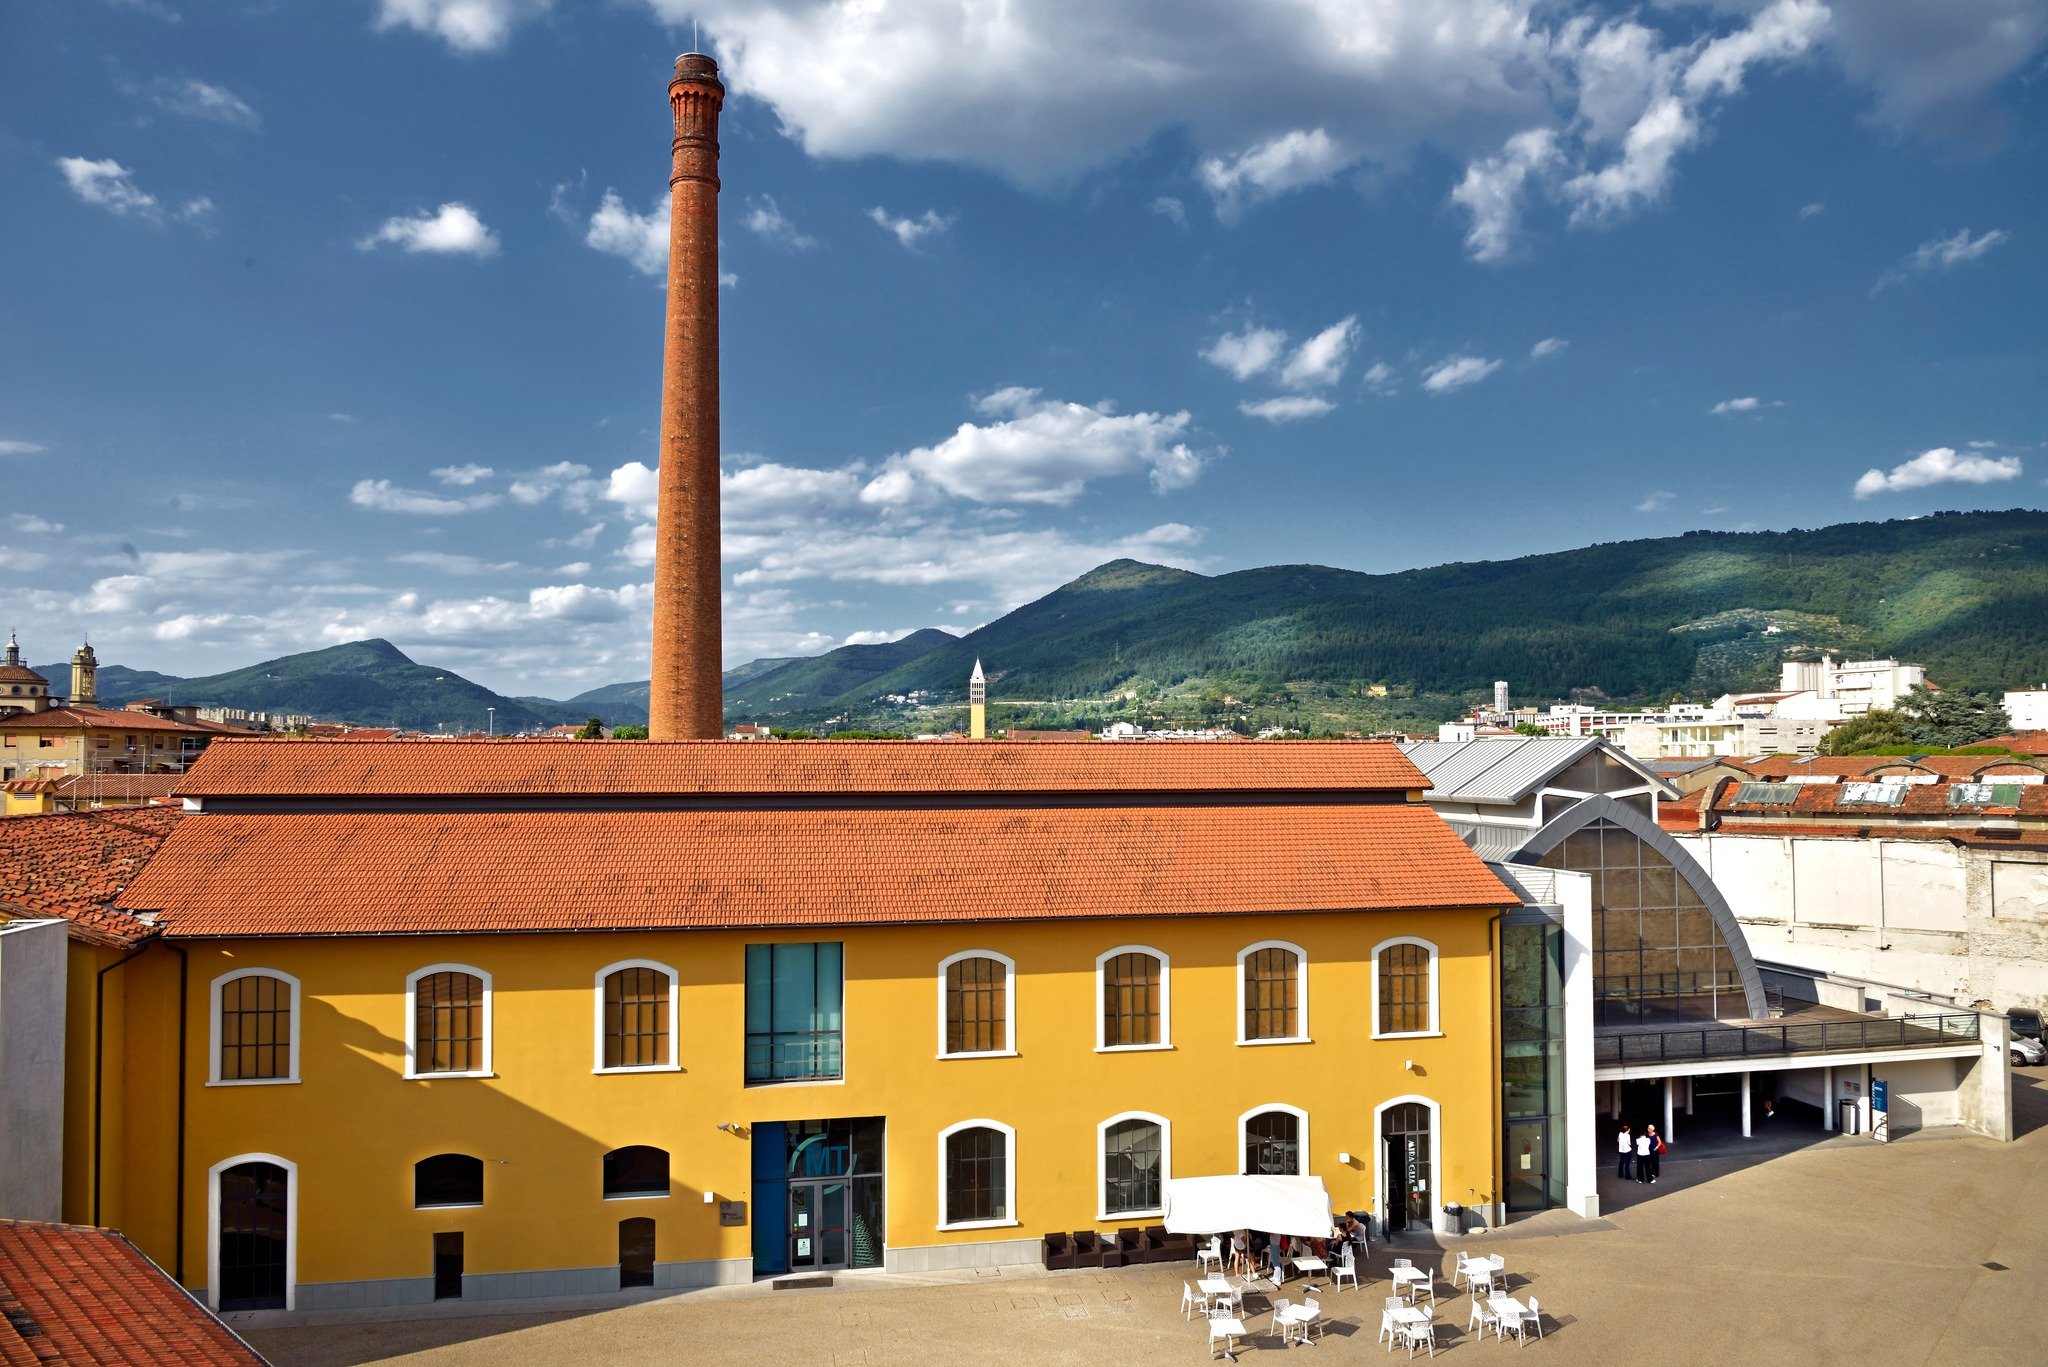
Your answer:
<point x="1299" y="1206"/>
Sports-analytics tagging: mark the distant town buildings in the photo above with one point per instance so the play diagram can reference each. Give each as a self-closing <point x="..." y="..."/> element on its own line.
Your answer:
<point x="47" y="737"/>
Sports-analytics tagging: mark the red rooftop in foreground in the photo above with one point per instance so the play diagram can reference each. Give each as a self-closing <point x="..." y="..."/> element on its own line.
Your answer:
<point x="73" y="1294"/>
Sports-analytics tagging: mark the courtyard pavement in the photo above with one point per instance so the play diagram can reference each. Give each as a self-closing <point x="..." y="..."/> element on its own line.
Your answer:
<point x="1929" y="1250"/>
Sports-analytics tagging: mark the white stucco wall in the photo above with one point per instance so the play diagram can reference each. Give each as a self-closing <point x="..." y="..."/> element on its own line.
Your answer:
<point x="1965" y="921"/>
<point x="32" y="1069"/>
<point x="1923" y="1093"/>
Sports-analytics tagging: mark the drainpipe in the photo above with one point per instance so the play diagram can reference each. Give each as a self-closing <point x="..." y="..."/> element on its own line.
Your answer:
<point x="99" y="1054"/>
<point x="178" y="1177"/>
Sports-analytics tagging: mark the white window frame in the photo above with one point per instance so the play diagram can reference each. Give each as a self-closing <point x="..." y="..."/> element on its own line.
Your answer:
<point x="443" y="1205"/>
<point x="1300" y="1136"/>
<point x="412" y="1018"/>
<point x="1009" y="1174"/>
<point x="1436" y="1004"/>
<point x="1165" y="1000"/>
<point x="1009" y="1049"/>
<point x="1379" y="1151"/>
<point x="675" y="1033"/>
<point x="291" y="1224"/>
<point x="1102" y="1164"/>
<point x="214" y="1079"/>
<point x="1300" y="992"/>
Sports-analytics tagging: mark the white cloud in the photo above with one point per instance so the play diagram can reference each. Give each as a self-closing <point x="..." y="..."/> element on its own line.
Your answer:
<point x="1939" y="466"/>
<point x="1039" y="451"/>
<point x="1250" y="352"/>
<point x="465" y="25"/>
<point x="1167" y="206"/>
<point x="638" y="239"/>
<point x="448" y="563"/>
<point x="196" y="99"/>
<point x="21" y="448"/>
<point x="1494" y="187"/>
<point x="382" y="496"/>
<point x="1656" y="502"/>
<point x="1287" y="408"/>
<point x="30" y="523"/>
<point x="1748" y="403"/>
<point x="1455" y="372"/>
<point x="1946" y="253"/>
<point x="1321" y="359"/>
<point x="343" y="418"/>
<point x="1294" y="159"/>
<point x="1813" y="210"/>
<point x="1380" y="379"/>
<point x="198" y="210"/>
<point x="1933" y="64"/>
<point x="565" y="481"/>
<point x="1549" y="346"/>
<point x="464" y="475"/>
<point x="109" y="185"/>
<point x="452" y="230"/>
<point x="877" y="638"/>
<point x="911" y="231"/>
<point x="765" y="217"/>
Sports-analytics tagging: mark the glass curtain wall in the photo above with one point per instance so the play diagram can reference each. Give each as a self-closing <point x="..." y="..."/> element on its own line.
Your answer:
<point x="1658" y="960"/>
<point x="823" y="1158"/>
<point x="795" y="1012"/>
<point x="1532" y="1064"/>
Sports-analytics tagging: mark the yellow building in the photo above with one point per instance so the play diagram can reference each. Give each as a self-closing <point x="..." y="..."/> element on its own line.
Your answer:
<point x="420" y="1020"/>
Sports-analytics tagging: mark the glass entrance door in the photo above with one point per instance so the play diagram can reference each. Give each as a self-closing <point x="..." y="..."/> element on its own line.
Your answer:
<point x="1404" y="1132"/>
<point x="254" y="1225"/>
<point x="817" y="1225"/>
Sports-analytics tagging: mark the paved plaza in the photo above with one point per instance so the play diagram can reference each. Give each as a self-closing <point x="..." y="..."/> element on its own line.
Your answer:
<point x="1829" y="1249"/>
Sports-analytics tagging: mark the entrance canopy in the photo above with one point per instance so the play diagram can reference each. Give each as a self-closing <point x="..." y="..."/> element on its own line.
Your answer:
<point x="1299" y="1206"/>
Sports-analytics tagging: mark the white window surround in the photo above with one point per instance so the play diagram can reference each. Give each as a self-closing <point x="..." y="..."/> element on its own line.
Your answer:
<point x="291" y="1223"/>
<point x="675" y="1052"/>
<point x="213" y="1078"/>
<point x="1009" y="1174"/>
<point x="412" y="1019"/>
<point x="1435" y="997"/>
<point x="1379" y="1151"/>
<point x="1102" y="1164"/>
<point x="1009" y="1049"/>
<point x="1300" y="1134"/>
<point x="1300" y="992"/>
<point x="1165" y="1000"/>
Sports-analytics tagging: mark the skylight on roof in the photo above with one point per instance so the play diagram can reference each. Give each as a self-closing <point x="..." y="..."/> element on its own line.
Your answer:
<point x="1767" y="794"/>
<point x="1873" y="794"/>
<point x="1984" y="795"/>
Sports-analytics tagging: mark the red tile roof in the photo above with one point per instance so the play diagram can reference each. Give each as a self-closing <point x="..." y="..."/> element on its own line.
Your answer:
<point x="111" y="719"/>
<point x="1769" y="767"/>
<point x="71" y="1294"/>
<point x="85" y="787"/>
<point x="351" y="873"/>
<point x="71" y="864"/>
<point x="2023" y="742"/>
<point x="1915" y="800"/>
<point x="254" y="768"/>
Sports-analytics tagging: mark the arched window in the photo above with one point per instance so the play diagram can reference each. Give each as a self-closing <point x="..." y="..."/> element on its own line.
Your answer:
<point x="636" y="1009"/>
<point x="974" y="1003"/>
<point x="1131" y="984"/>
<point x="448" y="1179"/>
<point x="1272" y="993"/>
<point x="255" y="1027"/>
<point x="448" y="1025"/>
<point x="1404" y="987"/>
<point x="1275" y="1141"/>
<point x="977" y="1172"/>
<point x="252" y="1233"/>
<point x="636" y="1170"/>
<point x="1134" y="1154"/>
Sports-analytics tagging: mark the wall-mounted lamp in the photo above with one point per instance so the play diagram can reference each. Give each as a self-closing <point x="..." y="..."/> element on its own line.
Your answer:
<point x="729" y="1126"/>
<point x="1344" y="1160"/>
<point x="710" y="1198"/>
<point x="1409" y="1064"/>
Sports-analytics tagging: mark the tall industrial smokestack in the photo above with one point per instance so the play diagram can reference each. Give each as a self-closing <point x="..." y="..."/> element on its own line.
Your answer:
<point x="687" y="700"/>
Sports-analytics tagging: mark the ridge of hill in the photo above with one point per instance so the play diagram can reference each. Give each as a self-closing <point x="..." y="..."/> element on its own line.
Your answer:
<point x="817" y="680"/>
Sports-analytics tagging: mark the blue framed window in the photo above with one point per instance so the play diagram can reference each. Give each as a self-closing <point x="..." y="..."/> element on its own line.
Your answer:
<point x="796" y="1012"/>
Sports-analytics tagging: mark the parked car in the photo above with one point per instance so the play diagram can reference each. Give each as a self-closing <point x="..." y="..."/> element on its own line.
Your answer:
<point x="2028" y="1052"/>
<point x="2027" y="1047"/>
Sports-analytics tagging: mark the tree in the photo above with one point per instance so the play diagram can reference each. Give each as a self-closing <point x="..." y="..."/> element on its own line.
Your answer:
<point x="629" y="733"/>
<point x="592" y="730"/>
<point x="1529" y="728"/>
<point x="1870" y="731"/>
<point x="1951" y="718"/>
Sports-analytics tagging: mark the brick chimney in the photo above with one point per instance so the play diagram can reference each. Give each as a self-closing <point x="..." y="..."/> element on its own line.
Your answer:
<point x="687" y="700"/>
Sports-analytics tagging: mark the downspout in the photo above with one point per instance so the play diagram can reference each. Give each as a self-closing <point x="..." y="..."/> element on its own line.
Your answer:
<point x="178" y="1178"/>
<point x="99" y="1055"/>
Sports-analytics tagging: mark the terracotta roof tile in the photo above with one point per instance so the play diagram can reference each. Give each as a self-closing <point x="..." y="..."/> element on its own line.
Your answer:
<point x="111" y="718"/>
<point x="71" y="864"/>
<point x="614" y="768"/>
<point x="71" y="1294"/>
<point x="344" y="873"/>
<point x="1771" y="767"/>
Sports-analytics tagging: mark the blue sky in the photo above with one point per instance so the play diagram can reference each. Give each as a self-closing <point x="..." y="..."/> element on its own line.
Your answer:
<point x="326" y="321"/>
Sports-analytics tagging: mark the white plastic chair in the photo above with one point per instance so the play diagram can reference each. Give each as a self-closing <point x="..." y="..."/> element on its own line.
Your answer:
<point x="1347" y="1269"/>
<point x="1458" y="1269"/>
<point x="1310" y="1317"/>
<point x="1415" y="1288"/>
<point x="1189" y="1301"/>
<point x="1481" y="1278"/>
<point x="1422" y="1333"/>
<point x="1389" y="1308"/>
<point x="1482" y="1316"/>
<point x="1210" y="1255"/>
<point x="1283" y="1321"/>
<point x="1533" y="1319"/>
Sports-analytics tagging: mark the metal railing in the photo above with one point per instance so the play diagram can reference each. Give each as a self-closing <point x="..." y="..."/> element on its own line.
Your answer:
<point x="1765" y="1041"/>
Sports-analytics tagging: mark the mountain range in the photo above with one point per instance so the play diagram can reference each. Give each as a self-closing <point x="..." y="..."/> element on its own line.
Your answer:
<point x="1966" y="594"/>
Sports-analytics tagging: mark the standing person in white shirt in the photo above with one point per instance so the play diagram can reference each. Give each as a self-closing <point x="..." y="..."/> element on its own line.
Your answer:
<point x="1645" y="1166"/>
<point x="1628" y="1152"/>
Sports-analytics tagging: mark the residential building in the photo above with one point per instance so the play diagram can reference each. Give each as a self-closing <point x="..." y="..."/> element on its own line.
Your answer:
<point x="1854" y="686"/>
<point x="519" y="1018"/>
<point x="2028" y="708"/>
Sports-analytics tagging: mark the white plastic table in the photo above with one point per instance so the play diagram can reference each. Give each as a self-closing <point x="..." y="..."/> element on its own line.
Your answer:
<point x="1405" y="1277"/>
<point x="1216" y="1288"/>
<point x="1510" y="1310"/>
<point x="1230" y="1329"/>
<point x="1310" y="1265"/>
